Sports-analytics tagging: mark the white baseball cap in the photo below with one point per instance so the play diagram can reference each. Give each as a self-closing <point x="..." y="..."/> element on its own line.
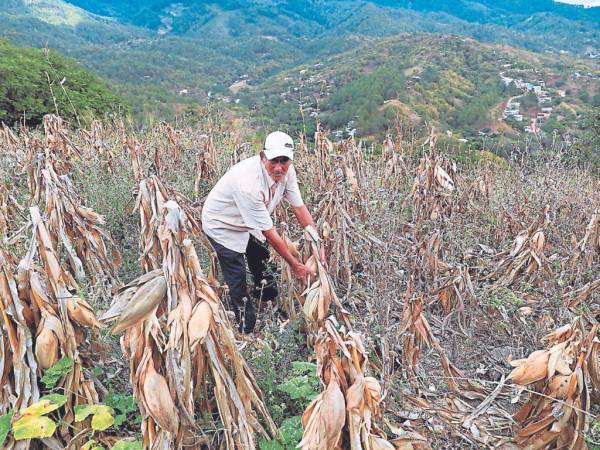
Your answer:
<point x="277" y="144"/>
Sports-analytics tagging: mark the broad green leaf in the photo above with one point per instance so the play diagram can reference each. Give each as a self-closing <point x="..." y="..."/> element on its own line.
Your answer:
<point x="56" y="398"/>
<point x="56" y="372"/>
<point x="298" y="388"/>
<point x="127" y="445"/>
<point x="91" y="445"/>
<point x="5" y="426"/>
<point x="103" y="418"/>
<point x="304" y="367"/>
<point x="44" y="406"/>
<point x="102" y="415"/>
<point x="32" y="426"/>
<point x="123" y="403"/>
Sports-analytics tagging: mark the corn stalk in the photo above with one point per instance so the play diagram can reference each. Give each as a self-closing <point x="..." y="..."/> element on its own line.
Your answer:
<point x="588" y="248"/>
<point x="526" y="258"/>
<point x="183" y="358"/>
<point x="344" y="414"/>
<point x="432" y="189"/>
<point x="44" y="318"/>
<point x="206" y="159"/>
<point x="78" y="230"/>
<point x="563" y="377"/>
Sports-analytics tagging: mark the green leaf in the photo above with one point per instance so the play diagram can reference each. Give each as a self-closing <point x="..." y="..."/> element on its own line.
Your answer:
<point x="103" y="418"/>
<point x="56" y="372"/>
<point x="119" y="419"/>
<point x="304" y="368"/>
<point x="298" y="388"/>
<point x="90" y="445"/>
<point x="5" y="426"/>
<point x="263" y="444"/>
<point x="57" y="399"/>
<point x="127" y="445"/>
<point x="290" y="431"/>
<point x="123" y="403"/>
<point x="33" y="426"/>
<point x="102" y="415"/>
<point x="46" y="405"/>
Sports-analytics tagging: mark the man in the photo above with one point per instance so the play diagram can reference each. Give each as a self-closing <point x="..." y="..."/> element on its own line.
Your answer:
<point x="236" y="217"/>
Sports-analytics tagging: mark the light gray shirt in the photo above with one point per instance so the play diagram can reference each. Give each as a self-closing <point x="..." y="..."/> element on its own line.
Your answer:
<point x="242" y="202"/>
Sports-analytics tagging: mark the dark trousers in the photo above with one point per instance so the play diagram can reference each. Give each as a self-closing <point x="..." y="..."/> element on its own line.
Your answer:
<point x="233" y="267"/>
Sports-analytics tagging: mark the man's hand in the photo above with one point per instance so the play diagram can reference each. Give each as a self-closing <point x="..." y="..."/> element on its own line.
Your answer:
<point x="302" y="272"/>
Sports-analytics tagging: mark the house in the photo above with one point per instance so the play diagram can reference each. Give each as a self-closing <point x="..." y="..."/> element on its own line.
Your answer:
<point x="518" y="117"/>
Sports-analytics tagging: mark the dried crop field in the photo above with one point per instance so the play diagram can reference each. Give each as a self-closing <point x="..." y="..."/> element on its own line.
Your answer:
<point x="458" y="307"/>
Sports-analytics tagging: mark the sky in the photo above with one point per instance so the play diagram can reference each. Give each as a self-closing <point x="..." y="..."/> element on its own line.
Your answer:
<point x="587" y="3"/>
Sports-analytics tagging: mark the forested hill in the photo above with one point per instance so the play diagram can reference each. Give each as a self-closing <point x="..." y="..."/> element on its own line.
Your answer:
<point x="35" y="83"/>
<point x="166" y="55"/>
<point x="452" y="83"/>
<point x="537" y="25"/>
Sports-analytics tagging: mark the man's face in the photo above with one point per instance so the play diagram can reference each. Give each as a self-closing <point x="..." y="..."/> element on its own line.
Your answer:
<point x="277" y="167"/>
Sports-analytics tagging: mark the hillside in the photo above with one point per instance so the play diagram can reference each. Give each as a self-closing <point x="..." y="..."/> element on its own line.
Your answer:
<point x="203" y="46"/>
<point x="527" y="21"/>
<point x="35" y="83"/>
<point x="452" y="83"/>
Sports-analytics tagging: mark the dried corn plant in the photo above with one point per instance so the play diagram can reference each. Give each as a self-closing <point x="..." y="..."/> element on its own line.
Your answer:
<point x="344" y="414"/>
<point x="17" y="361"/>
<point x="526" y="259"/>
<point x="474" y="195"/>
<point x="433" y="187"/>
<point x="417" y="335"/>
<point x="587" y="250"/>
<point x="44" y="319"/>
<point x="576" y="297"/>
<point x="10" y="210"/>
<point x="393" y="164"/>
<point x="183" y="357"/>
<point x="78" y="230"/>
<point x="152" y="195"/>
<point x="563" y="377"/>
<point x="96" y="143"/>
<point x="338" y="196"/>
<point x="455" y="286"/>
<point x="58" y="142"/>
<point x="427" y="259"/>
<point x="206" y="158"/>
<point x="8" y="137"/>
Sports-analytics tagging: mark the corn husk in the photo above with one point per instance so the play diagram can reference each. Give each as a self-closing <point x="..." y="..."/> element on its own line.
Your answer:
<point x="564" y="374"/>
<point x="142" y="303"/>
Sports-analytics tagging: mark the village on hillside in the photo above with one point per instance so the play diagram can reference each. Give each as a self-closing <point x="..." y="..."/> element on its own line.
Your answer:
<point x="531" y="84"/>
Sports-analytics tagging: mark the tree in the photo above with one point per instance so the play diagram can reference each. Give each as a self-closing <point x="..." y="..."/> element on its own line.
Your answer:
<point x="35" y="83"/>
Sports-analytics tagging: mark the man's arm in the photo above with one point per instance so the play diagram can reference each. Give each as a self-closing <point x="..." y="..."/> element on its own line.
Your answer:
<point x="303" y="216"/>
<point x="300" y="270"/>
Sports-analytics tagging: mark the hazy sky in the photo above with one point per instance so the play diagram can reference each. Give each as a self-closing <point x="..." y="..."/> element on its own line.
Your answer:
<point x="582" y="2"/>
